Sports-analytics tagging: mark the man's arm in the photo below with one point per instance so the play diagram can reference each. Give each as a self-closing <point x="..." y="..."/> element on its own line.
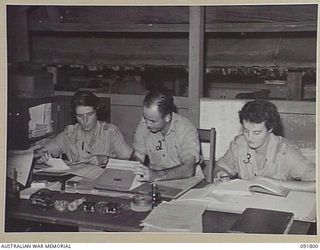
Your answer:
<point x="185" y="170"/>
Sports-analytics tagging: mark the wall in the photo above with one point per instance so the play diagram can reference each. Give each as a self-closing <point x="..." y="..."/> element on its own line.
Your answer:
<point x="126" y="110"/>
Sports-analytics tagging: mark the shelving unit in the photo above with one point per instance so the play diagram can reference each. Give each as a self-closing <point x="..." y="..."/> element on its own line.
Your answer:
<point x="194" y="37"/>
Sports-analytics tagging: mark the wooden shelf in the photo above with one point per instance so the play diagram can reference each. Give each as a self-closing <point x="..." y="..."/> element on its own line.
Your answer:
<point x="310" y="26"/>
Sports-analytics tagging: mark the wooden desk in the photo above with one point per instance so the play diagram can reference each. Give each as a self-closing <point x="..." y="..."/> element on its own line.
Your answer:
<point x="126" y="221"/>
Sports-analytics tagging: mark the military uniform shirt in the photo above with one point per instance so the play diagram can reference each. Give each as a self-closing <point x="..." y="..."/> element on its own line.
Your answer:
<point x="283" y="161"/>
<point x="167" y="151"/>
<point x="106" y="140"/>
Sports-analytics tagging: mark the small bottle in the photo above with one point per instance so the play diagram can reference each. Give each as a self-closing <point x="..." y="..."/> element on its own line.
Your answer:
<point x="155" y="195"/>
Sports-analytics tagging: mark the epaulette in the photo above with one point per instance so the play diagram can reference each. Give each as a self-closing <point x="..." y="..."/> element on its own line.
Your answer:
<point x="70" y="128"/>
<point x="105" y="126"/>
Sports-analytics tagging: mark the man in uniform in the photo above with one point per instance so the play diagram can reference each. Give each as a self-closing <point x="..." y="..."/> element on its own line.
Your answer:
<point x="165" y="141"/>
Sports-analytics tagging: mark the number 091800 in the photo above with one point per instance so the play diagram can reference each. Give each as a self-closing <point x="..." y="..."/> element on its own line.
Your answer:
<point x="309" y="245"/>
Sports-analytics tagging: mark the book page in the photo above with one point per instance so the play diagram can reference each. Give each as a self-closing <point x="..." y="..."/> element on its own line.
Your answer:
<point x="87" y="170"/>
<point x="123" y="164"/>
<point x="56" y="165"/>
<point x="264" y="186"/>
<point x="175" y="216"/>
<point x="233" y="187"/>
<point x="19" y="161"/>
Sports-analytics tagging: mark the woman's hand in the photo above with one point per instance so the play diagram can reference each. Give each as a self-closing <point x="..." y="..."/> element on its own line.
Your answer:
<point x="221" y="176"/>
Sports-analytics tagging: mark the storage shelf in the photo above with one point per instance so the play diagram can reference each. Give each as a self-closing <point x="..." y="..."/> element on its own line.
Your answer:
<point x="173" y="27"/>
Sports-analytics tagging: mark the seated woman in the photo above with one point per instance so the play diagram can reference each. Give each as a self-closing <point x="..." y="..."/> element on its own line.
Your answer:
<point x="90" y="140"/>
<point x="259" y="152"/>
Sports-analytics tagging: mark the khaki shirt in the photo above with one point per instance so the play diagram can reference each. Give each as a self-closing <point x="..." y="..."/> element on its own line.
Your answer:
<point x="283" y="161"/>
<point x="106" y="140"/>
<point x="167" y="151"/>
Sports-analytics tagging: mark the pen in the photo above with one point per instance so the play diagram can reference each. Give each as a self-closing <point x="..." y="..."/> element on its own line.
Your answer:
<point x="231" y="177"/>
<point x="225" y="177"/>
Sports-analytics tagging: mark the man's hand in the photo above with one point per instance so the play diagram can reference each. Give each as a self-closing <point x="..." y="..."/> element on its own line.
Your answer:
<point x="98" y="160"/>
<point x="145" y="173"/>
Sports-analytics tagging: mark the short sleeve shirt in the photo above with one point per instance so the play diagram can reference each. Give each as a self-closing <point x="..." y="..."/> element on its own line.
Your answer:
<point x="106" y="140"/>
<point x="283" y="161"/>
<point x="169" y="150"/>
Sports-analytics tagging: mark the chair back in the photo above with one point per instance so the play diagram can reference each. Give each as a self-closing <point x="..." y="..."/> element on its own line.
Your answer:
<point x="208" y="136"/>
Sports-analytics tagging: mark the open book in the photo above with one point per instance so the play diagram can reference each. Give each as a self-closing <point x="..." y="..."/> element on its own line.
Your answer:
<point x="264" y="186"/>
<point x="247" y="188"/>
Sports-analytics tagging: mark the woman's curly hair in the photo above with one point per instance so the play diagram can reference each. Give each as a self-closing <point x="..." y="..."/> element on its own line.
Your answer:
<point x="259" y="111"/>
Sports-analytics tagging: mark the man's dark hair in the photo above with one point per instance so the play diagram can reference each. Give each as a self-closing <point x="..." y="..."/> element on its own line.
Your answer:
<point x="163" y="99"/>
<point x="259" y="111"/>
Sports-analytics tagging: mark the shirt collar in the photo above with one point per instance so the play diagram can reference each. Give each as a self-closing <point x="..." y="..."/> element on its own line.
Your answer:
<point x="272" y="148"/>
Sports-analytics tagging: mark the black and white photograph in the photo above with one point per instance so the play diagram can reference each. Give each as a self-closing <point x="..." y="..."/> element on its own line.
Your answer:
<point x="171" y="120"/>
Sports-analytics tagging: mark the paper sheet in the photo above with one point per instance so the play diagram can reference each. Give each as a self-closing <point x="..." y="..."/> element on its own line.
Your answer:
<point x="56" y="165"/>
<point x="302" y="204"/>
<point x="40" y="119"/>
<point x="86" y="170"/>
<point x="175" y="216"/>
<point x="21" y="161"/>
<point x="233" y="187"/>
<point x="123" y="164"/>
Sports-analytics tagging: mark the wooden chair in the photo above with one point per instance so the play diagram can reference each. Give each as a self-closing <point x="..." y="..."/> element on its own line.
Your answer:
<point x="208" y="136"/>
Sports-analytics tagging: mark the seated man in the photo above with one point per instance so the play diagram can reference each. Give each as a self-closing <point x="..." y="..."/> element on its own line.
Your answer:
<point x="259" y="152"/>
<point x="169" y="141"/>
<point x="90" y="140"/>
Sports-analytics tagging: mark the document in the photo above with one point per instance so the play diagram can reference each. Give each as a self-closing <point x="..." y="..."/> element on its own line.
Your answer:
<point x="301" y="204"/>
<point x="246" y="188"/>
<point x="86" y="170"/>
<point x="19" y="161"/>
<point x="56" y="165"/>
<point x="40" y="119"/>
<point x="175" y="216"/>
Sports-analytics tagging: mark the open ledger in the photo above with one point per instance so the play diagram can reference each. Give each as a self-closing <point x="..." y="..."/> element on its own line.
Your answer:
<point x="247" y="188"/>
<point x="119" y="176"/>
<point x="118" y="179"/>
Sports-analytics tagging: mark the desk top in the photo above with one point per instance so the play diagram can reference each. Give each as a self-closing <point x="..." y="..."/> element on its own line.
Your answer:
<point x="126" y="221"/>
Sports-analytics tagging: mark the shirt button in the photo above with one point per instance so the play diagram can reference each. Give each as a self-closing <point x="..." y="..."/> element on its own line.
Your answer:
<point x="163" y="155"/>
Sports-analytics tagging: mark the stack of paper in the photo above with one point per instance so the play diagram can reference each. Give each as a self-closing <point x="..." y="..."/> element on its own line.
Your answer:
<point x="19" y="161"/>
<point x="301" y="204"/>
<point x="58" y="166"/>
<point x="175" y="216"/>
